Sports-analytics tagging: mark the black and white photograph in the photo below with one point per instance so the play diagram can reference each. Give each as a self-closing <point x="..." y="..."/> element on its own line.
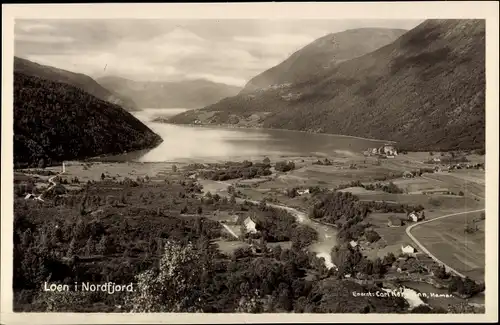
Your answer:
<point x="247" y="166"/>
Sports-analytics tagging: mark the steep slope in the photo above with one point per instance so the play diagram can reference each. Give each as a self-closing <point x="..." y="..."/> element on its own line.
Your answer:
<point x="79" y="80"/>
<point x="55" y="121"/>
<point x="178" y="94"/>
<point x="426" y="91"/>
<point x="324" y="53"/>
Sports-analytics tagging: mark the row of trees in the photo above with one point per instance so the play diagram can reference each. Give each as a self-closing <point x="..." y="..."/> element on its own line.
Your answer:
<point x="388" y="188"/>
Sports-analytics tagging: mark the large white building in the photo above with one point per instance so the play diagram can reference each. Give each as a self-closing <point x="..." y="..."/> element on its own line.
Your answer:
<point x="250" y="225"/>
<point x="408" y="249"/>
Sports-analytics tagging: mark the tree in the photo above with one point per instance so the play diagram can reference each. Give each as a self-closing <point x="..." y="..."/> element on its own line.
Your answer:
<point x="440" y="272"/>
<point x="41" y="163"/>
<point x="71" y="249"/>
<point x="378" y="267"/>
<point x="103" y="176"/>
<point x="199" y="210"/>
<point x="175" y="286"/>
<point x="372" y="236"/>
<point x="102" y="245"/>
<point x="389" y="259"/>
<point x="122" y="198"/>
<point x="262" y="205"/>
<point x="89" y="247"/>
<point x="174" y="168"/>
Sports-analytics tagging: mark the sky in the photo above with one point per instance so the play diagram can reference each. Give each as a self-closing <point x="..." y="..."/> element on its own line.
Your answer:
<point x="226" y="51"/>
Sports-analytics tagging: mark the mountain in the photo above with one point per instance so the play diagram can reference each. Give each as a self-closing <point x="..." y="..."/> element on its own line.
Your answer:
<point x="426" y="91"/>
<point x="55" y="121"/>
<point x="323" y="53"/>
<point x="79" y="80"/>
<point x="170" y="94"/>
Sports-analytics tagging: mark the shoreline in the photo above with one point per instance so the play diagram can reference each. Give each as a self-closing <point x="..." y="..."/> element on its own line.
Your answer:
<point x="231" y="126"/>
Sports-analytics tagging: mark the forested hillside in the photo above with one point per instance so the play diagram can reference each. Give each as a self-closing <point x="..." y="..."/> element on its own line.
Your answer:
<point x="426" y="91"/>
<point x="79" y="80"/>
<point x="324" y="53"/>
<point x="54" y="121"/>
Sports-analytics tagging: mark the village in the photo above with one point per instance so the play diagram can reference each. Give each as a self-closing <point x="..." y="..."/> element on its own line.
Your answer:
<point x="414" y="237"/>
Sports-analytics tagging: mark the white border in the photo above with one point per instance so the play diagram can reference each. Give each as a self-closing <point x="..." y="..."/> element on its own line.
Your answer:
<point x="380" y="10"/>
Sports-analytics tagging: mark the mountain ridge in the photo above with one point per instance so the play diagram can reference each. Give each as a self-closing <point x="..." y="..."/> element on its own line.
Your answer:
<point x="170" y="94"/>
<point x="80" y="80"/>
<point x="425" y="90"/>
<point x="325" y="51"/>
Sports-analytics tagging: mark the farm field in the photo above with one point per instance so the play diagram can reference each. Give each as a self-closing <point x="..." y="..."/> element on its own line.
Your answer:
<point x="435" y="202"/>
<point x="470" y="182"/>
<point x="392" y="238"/>
<point x="417" y="184"/>
<point x="447" y="239"/>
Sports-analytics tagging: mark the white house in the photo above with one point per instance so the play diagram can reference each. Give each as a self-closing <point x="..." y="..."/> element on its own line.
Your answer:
<point x="389" y="150"/>
<point x="302" y="192"/>
<point x="353" y="244"/>
<point x="413" y="217"/>
<point x="250" y="225"/>
<point x="408" y="249"/>
<point x="407" y="174"/>
<point x="29" y="196"/>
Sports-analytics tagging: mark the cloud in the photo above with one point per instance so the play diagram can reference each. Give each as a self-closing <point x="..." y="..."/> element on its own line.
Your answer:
<point x="229" y="51"/>
<point x="284" y="39"/>
<point x="228" y="80"/>
<point x="34" y="27"/>
<point x="183" y="35"/>
<point x="99" y="64"/>
<point x="44" y="38"/>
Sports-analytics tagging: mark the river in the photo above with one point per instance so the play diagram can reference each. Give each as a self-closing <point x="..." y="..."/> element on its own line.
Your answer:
<point x="206" y="144"/>
<point x="203" y="144"/>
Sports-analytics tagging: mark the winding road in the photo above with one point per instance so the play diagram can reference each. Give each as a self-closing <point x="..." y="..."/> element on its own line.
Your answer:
<point x="326" y="242"/>
<point x="425" y="250"/>
<point x="52" y="183"/>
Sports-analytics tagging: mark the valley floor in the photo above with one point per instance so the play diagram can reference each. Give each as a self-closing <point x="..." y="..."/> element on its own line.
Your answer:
<point x="176" y="183"/>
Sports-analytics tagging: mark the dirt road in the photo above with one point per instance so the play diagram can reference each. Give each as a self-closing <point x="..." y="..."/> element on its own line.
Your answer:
<point x="425" y="250"/>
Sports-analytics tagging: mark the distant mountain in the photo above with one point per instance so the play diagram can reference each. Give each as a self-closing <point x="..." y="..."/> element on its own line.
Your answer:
<point x="54" y="121"/>
<point x="173" y="94"/>
<point x="426" y="91"/>
<point x="79" y="80"/>
<point x="324" y="53"/>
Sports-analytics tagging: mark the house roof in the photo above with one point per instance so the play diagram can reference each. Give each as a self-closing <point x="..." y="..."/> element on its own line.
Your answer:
<point x="248" y="219"/>
<point x="394" y="218"/>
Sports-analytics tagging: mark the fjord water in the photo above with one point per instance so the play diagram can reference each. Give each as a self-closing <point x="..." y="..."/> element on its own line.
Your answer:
<point x="203" y="144"/>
